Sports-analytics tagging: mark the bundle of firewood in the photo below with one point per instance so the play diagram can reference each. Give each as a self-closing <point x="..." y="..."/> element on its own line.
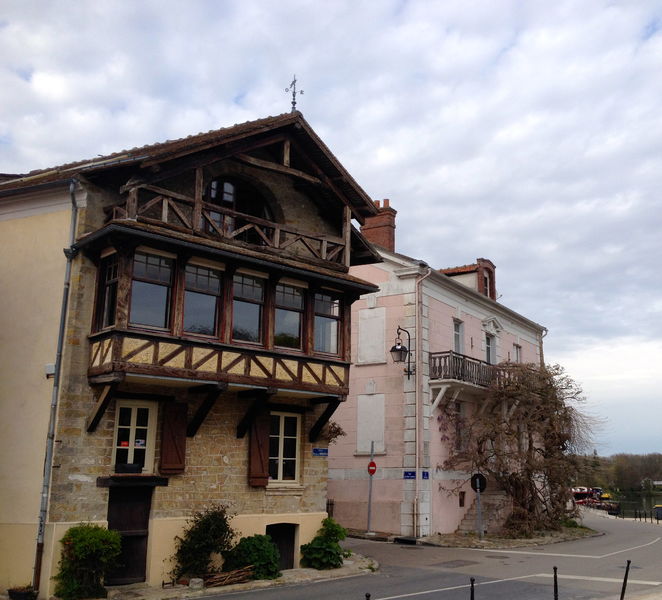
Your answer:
<point x="236" y="576"/>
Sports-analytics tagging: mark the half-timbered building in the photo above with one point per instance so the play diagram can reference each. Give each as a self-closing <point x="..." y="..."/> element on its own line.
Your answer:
<point x="204" y="341"/>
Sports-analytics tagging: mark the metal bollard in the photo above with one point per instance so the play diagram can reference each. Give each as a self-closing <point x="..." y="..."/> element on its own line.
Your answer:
<point x="625" y="580"/>
<point x="556" y="584"/>
<point x="367" y="596"/>
<point x="472" y="588"/>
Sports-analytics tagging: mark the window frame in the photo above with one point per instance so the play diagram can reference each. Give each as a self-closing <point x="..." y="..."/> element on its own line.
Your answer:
<point x="218" y="305"/>
<point x="517" y="353"/>
<point x="104" y="286"/>
<point x="170" y="288"/>
<point x="458" y="336"/>
<point x="339" y="320"/>
<point x="150" y="442"/>
<point x="262" y="303"/>
<point x="301" y="312"/>
<point x="490" y="349"/>
<point x="280" y="458"/>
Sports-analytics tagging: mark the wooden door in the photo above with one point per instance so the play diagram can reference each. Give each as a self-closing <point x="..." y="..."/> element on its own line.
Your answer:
<point x="128" y="513"/>
<point x="282" y="534"/>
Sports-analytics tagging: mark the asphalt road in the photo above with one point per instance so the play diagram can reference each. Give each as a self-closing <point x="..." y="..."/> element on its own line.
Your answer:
<point x="588" y="569"/>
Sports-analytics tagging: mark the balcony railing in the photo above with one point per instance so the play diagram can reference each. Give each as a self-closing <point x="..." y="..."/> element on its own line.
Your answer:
<point x="452" y="365"/>
<point x="181" y="212"/>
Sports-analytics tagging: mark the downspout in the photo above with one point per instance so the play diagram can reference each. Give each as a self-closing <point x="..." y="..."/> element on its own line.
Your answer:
<point x="542" y="335"/>
<point x="418" y="378"/>
<point x="70" y="253"/>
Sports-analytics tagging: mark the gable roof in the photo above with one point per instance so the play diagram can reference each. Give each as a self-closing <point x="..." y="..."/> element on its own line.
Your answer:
<point x="144" y="156"/>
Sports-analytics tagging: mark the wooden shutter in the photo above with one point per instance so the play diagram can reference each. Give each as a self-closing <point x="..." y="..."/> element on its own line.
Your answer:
<point x="258" y="451"/>
<point x="173" y="438"/>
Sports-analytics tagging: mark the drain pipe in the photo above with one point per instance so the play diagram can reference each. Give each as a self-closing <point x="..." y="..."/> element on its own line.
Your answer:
<point x="70" y="253"/>
<point x="418" y="377"/>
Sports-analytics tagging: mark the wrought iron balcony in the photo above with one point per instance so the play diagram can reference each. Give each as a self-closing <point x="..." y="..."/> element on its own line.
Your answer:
<point x="458" y="367"/>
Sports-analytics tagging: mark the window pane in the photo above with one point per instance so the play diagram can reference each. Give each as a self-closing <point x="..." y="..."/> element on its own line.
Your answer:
<point x="125" y="416"/>
<point x="327" y="305"/>
<point x="289" y="470"/>
<point x="290" y="426"/>
<point x="139" y="457"/>
<point x="273" y="469"/>
<point x="274" y="428"/>
<point x="250" y="288"/>
<point x="121" y="456"/>
<point x="289" y="297"/>
<point x="123" y="434"/>
<point x="149" y="304"/>
<point x="273" y="447"/>
<point x="140" y="440"/>
<point x="203" y="279"/>
<point x="326" y="335"/>
<point x="289" y="448"/>
<point x="287" y="329"/>
<point x="199" y="313"/>
<point x="109" y="304"/>
<point x="142" y="417"/>
<point x="156" y="268"/>
<point x="247" y="319"/>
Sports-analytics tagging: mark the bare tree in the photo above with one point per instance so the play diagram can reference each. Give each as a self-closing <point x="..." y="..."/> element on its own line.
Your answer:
<point x="524" y="436"/>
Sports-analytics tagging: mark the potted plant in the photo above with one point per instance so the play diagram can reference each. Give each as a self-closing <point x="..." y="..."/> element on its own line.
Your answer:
<point x="23" y="592"/>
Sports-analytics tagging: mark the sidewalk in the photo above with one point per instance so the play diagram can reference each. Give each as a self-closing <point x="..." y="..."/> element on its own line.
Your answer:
<point x="354" y="565"/>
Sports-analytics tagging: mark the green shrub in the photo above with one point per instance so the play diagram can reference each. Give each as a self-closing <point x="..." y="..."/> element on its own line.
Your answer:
<point x="324" y="551"/>
<point x="256" y="550"/>
<point x="88" y="553"/>
<point x="208" y="532"/>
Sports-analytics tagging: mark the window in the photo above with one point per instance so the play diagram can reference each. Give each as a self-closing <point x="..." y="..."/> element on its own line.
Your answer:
<point x="283" y="447"/>
<point x="517" y="353"/>
<point x="458" y="336"/>
<point x="247" y="308"/>
<point x="327" y="323"/>
<point x="151" y="290"/>
<point x="135" y="435"/>
<point x="201" y="300"/>
<point x="490" y="349"/>
<point x="288" y="316"/>
<point x="461" y="439"/>
<point x="107" y="300"/>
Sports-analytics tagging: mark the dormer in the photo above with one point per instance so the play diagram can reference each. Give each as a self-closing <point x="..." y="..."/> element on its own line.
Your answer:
<point x="479" y="276"/>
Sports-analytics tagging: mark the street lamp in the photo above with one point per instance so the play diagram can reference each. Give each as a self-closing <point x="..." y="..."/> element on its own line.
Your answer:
<point x="400" y="352"/>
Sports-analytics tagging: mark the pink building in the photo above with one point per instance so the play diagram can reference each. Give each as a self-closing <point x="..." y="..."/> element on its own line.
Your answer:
<point x="455" y="329"/>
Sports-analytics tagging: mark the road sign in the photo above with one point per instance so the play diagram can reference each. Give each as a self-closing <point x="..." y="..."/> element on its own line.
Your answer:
<point x="322" y="452"/>
<point x="372" y="468"/>
<point x="478" y="482"/>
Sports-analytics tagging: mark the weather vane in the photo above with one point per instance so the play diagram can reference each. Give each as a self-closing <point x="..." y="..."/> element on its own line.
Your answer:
<point x="293" y="87"/>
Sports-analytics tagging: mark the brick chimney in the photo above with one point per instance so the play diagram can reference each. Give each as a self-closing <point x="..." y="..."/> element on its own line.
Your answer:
<point x="380" y="229"/>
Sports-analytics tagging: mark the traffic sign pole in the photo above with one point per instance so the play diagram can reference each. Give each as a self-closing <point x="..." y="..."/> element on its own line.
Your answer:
<point x="370" y="468"/>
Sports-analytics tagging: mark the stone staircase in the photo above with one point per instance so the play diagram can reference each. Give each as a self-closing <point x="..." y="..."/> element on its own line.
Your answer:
<point x="496" y="508"/>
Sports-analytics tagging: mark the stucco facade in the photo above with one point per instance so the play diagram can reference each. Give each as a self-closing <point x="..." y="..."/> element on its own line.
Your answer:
<point x="446" y="317"/>
<point x="205" y="342"/>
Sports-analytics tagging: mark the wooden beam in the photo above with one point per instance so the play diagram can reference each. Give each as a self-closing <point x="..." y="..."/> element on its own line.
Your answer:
<point x="259" y="404"/>
<point x="316" y="429"/>
<point x="99" y="408"/>
<point x="272" y="166"/>
<point x="214" y="392"/>
<point x="286" y="152"/>
<point x="107" y="378"/>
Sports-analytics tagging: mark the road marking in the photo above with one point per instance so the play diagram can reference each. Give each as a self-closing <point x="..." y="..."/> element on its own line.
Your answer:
<point x="456" y="587"/>
<point x="603" y="579"/>
<point x="531" y="553"/>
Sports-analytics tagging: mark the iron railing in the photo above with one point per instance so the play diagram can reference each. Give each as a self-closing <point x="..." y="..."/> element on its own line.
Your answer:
<point x="453" y="365"/>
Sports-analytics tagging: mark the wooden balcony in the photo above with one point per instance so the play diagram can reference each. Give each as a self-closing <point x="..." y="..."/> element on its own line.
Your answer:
<point x="151" y="204"/>
<point x="172" y="359"/>
<point x="452" y="366"/>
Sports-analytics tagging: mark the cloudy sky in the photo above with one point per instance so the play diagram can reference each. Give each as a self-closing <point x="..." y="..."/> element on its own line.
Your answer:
<point x="528" y="132"/>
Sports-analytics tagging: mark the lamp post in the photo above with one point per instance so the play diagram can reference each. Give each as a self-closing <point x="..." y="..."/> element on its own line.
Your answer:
<point x="400" y="352"/>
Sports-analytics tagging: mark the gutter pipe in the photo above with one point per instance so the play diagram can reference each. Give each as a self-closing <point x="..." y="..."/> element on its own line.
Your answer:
<point x="418" y="377"/>
<point x="70" y="253"/>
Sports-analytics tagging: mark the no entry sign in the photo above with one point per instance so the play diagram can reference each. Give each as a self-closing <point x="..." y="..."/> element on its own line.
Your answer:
<point x="372" y="468"/>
